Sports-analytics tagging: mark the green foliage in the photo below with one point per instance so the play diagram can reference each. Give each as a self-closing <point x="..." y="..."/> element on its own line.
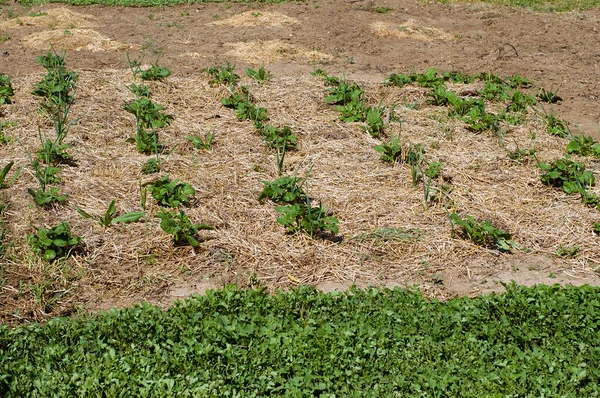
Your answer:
<point x="260" y="75"/>
<point x="478" y="120"/>
<point x="548" y="96"/>
<point x="153" y="72"/>
<point x="201" y="142"/>
<point x="400" y="80"/>
<point x="567" y="174"/>
<point x="390" y="151"/>
<point x="374" y="121"/>
<point x="108" y="218"/>
<point x="567" y="251"/>
<point x="433" y="170"/>
<point x="3" y="230"/>
<point x="584" y="146"/>
<point x="6" y="89"/>
<point x="520" y="102"/>
<point x="440" y="96"/>
<point x="462" y="106"/>
<point x="224" y="75"/>
<point x="179" y="225"/>
<point x="527" y="342"/>
<point x="4" y="183"/>
<point x="284" y="190"/>
<point x="555" y="126"/>
<point x="4" y="139"/>
<point x="244" y="108"/>
<point x="57" y="88"/>
<point x="596" y="228"/>
<point x="483" y="233"/>
<point x="148" y="119"/>
<point x="47" y="196"/>
<point x="521" y="154"/>
<point x="170" y="193"/>
<point x="329" y="80"/>
<point x="55" y="243"/>
<point x="302" y="217"/>
<point x="275" y="138"/>
<point x="495" y="91"/>
<point x="152" y="165"/>
<point x="344" y="93"/>
<point x="140" y="90"/>
<point x="53" y="152"/>
<point x="458" y="77"/>
<point x="518" y="81"/>
<point x="429" y="79"/>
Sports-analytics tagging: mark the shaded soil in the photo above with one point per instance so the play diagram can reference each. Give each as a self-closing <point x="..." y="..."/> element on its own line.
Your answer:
<point x="559" y="51"/>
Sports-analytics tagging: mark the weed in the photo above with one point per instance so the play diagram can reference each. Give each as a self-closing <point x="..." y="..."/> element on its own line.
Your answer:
<point x="5" y="139"/>
<point x="489" y="77"/>
<point x="153" y="72"/>
<point x="495" y="91"/>
<point x="390" y="152"/>
<point x="201" y="142"/>
<point x="260" y="75"/>
<point x="548" y="96"/>
<point x="170" y="193"/>
<point x="567" y="174"/>
<point x="6" y="90"/>
<point x="4" y="183"/>
<point x="482" y="233"/>
<point x="555" y="126"/>
<point x="179" y="225"/>
<point x="224" y="75"/>
<point x="329" y="80"/>
<point x="440" y="96"/>
<point x="302" y="217"/>
<point x="567" y="251"/>
<point x="55" y="243"/>
<point x="479" y="120"/>
<point x="518" y="81"/>
<point x="382" y="9"/>
<point x="433" y="170"/>
<point x="584" y="146"/>
<point x="284" y="190"/>
<point x="108" y="218"/>
<point x="458" y="77"/>
<point x="373" y="120"/>
<point x="281" y="138"/>
<point x="521" y="154"/>
<point x="462" y="106"/>
<point x="148" y="119"/>
<point x="400" y="80"/>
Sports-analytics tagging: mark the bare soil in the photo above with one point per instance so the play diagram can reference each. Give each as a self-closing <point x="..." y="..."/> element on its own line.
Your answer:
<point x="125" y="265"/>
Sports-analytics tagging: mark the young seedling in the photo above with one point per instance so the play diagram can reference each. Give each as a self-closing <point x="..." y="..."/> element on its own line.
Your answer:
<point x="45" y="175"/>
<point x="57" y="90"/>
<point x="149" y="118"/>
<point x="153" y="72"/>
<point x="6" y="89"/>
<point x="201" y="142"/>
<point x="180" y="226"/>
<point x="567" y="174"/>
<point x="390" y="152"/>
<point x="261" y="75"/>
<point x="584" y="146"/>
<point x="482" y="233"/>
<point x="306" y="218"/>
<point x="4" y="183"/>
<point x="224" y="75"/>
<point x="55" y="243"/>
<point x="275" y="137"/>
<point x="170" y="193"/>
<point x="555" y="126"/>
<point x="567" y="251"/>
<point x="284" y="190"/>
<point x="108" y="218"/>
<point x="548" y="96"/>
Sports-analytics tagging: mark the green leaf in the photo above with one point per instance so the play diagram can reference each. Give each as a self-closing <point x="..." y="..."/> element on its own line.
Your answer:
<point x="129" y="217"/>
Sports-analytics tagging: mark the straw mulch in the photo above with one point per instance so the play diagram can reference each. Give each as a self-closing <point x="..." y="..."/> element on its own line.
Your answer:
<point x="256" y="18"/>
<point x="411" y="29"/>
<point x="136" y="262"/>
<point x="55" y="18"/>
<point x="264" y="52"/>
<point x="76" y="40"/>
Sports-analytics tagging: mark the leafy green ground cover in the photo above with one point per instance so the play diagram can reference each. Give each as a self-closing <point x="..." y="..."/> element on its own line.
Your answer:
<point x="528" y="342"/>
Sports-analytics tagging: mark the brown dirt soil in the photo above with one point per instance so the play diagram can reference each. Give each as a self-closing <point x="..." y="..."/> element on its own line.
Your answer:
<point x="122" y="265"/>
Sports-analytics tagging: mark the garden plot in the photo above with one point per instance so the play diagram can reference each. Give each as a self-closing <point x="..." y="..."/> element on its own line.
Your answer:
<point x="452" y="182"/>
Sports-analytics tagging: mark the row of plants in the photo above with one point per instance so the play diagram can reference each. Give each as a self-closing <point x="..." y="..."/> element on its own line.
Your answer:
<point x="57" y="93"/>
<point x="296" y="208"/>
<point x="472" y="110"/>
<point x="526" y="342"/>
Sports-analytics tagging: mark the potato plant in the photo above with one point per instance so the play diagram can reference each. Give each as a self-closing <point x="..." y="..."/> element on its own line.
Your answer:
<point x="54" y="243"/>
<point x="179" y="225"/>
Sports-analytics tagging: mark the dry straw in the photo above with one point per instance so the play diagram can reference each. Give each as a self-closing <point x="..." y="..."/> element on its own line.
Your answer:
<point x="265" y="52"/>
<point x="136" y="262"/>
<point x="55" y="18"/>
<point x="74" y="39"/>
<point x="411" y="29"/>
<point x="256" y="18"/>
